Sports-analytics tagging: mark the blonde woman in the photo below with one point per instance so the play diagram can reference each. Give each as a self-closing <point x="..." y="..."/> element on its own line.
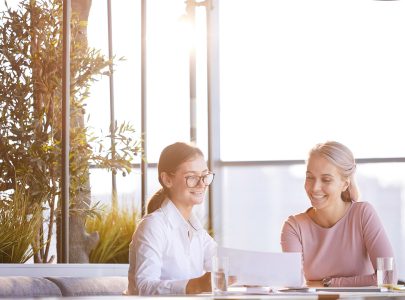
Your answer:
<point x="340" y="238"/>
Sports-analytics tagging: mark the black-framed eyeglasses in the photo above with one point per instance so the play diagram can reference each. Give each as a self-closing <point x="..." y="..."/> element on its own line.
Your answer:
<point x="194" y="180"/>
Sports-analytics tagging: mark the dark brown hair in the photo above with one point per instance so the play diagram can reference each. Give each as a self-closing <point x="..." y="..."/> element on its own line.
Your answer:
<point x="170" y="159"/>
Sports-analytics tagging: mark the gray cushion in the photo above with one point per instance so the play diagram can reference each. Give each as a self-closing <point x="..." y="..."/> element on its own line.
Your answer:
<point x="91" y="286"/>
<point x="24" y="286"/>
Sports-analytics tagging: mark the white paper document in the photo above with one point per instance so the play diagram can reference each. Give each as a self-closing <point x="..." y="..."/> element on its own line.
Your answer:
<point x="264" y="268"/>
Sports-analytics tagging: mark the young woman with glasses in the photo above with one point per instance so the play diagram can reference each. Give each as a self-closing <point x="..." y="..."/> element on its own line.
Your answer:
<point x="170" y="251"/>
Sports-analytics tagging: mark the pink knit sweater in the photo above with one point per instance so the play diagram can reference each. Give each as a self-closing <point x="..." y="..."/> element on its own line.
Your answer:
<point x="346" y="252"/>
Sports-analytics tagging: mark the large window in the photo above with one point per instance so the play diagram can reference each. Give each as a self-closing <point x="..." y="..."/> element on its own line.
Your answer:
<point x="295" y="73"/>
<point x="170" y="38"/>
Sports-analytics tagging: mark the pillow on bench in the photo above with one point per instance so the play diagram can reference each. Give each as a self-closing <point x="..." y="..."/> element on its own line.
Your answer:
<point x="25" y="286"/>
<point x="91" y="286"/>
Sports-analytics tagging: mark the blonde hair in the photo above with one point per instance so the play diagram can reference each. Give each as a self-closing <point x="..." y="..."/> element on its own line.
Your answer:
<point x="341" y="156"/>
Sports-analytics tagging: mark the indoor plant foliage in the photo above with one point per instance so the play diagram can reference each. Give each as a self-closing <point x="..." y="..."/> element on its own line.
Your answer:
<point x="115" y="228"/>
<point x="20" y="220"/>
<point x="30" y="118"/>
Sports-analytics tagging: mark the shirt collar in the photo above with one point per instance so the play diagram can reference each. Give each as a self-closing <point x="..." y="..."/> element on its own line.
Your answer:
<point x="175" y="217"/>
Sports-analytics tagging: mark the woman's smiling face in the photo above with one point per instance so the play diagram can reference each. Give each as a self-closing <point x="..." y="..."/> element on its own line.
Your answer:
<point x="180" y="193"/>
<point x="324" y="183"/>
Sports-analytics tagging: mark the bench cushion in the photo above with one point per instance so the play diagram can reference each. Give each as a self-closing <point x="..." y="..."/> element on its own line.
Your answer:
<point x="25" y="286"/>
<point x="91" y="286"/>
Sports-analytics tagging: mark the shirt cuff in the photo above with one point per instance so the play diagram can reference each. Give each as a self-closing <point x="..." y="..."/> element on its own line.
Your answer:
<point x="179" y="287"/>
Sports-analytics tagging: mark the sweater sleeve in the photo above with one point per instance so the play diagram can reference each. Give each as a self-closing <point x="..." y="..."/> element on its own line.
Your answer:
<point x="291" y="236"/>
<point x="375" y="237"/>
<point x="360" y="280"/>
<point x="377" y="245"/>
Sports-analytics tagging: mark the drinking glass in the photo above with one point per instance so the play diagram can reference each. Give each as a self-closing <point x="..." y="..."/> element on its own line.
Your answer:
<point x="385" y="272"/>
<point x="219" y="275"/>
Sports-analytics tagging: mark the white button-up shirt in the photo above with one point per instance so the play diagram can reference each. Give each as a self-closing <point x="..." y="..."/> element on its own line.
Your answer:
<point x="166" y="251"/>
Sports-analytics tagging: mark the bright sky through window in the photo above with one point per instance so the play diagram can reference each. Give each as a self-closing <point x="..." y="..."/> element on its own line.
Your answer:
<point x="294" y="73"/>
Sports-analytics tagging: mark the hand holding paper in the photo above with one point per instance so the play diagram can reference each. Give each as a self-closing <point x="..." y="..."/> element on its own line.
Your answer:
<point x="264" y="268"/>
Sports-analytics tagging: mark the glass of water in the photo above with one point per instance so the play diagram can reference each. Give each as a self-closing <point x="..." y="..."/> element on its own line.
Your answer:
<point x="219" y="275"/>
<point x="385" y="272"/>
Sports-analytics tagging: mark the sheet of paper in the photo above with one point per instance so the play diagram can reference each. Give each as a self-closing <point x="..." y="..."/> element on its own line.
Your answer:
<point x="264" y="268"/>
<point x="363" y="289"/>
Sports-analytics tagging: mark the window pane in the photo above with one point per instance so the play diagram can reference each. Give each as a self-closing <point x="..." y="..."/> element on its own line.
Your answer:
<point x="126" y="39"/>
<point x="257" y="200"/>
<point x="98" y="104"/>
<point x="168" y="45"/>
<point x="295" y="73"/>
<point x="167" y="63"/>
<point x="100" y="184"/>
<point x="126" y="27"/>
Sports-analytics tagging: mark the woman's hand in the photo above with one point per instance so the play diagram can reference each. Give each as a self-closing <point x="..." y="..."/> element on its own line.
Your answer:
<point x="314" y="283"/>
<point x="199" y="285"/>
<point x="232" y="279"/>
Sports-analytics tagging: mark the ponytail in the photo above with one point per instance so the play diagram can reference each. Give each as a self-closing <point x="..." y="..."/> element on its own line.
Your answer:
<point x="352" y="192"/>
<point x="156" y="201"/>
